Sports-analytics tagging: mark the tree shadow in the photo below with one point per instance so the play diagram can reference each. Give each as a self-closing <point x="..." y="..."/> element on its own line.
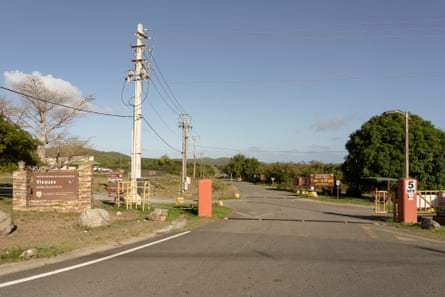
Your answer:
<point x="373" y="217"/>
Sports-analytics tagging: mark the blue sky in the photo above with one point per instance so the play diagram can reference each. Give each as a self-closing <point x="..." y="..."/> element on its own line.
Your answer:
<point x="274" y="80"/>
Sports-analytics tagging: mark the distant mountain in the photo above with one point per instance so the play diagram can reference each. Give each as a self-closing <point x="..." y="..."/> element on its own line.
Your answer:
<point x="215" y="162"/>
<point x="116" y="160"/>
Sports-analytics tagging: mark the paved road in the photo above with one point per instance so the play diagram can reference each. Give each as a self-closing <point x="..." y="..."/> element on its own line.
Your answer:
<point x="274" y="244"/>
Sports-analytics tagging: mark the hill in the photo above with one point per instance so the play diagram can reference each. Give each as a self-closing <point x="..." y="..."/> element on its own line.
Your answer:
<point x="116" y="160"/>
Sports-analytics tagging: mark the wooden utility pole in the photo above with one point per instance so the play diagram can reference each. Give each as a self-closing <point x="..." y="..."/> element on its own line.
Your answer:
<point x="194" y="138"/>
<point x="185" y="125"/>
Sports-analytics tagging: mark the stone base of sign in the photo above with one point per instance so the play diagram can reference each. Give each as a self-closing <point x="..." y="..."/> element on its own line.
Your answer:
<point x="22" y="198"/>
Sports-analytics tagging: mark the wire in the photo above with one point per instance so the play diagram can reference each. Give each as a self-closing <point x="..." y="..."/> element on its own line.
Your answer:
<point x="283" y="152"/>
<point x="165" y="101"/>
<point x="65" y="106"/>
<point x="170" y="93"/>
<point x="159" y="136"/>
<point x="390" y="29"/>
<point x="159" y="115"/>
<point x="122" y="94"/>
<point x="315" y="79"/>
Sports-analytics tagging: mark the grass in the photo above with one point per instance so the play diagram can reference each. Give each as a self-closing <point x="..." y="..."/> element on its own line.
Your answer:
<point x="365" y="201"/>
<point x="63" y="234"/>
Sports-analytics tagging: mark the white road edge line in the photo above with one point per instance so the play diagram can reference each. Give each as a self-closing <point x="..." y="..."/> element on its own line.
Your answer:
<point x="42" y="275"/>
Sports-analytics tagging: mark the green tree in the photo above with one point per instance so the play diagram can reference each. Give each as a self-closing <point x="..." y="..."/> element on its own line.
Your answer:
<point x="378" y="150"/>
<point x="235" y="166"/>
<point x="165" y="162"/>
<point x="251" y="169"/>
<point x="241" y="166"/>
<point x="16" y="145"/>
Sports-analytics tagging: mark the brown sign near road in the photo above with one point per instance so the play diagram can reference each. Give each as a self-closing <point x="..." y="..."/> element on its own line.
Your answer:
<point x="322" y="180"/>
<point x="56" y="185"/>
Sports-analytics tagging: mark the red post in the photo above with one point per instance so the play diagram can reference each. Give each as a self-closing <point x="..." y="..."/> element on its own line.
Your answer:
<point x="407" y="200"/>
<point x="205" y="198"/>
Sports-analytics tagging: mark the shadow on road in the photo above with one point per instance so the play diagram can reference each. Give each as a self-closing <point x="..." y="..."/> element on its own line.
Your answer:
<point x="300" y="220"/>
<point x="374" y="217"/>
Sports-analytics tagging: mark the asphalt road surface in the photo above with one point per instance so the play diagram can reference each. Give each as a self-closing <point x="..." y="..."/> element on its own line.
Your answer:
<point x="273" y="244"/>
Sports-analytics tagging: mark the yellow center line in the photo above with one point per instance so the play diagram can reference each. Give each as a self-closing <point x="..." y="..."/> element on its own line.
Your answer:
<point x="369" y="232"/>
<point x="405" y="236"/>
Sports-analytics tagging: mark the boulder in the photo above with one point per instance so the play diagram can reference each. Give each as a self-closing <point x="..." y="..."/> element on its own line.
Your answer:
<point x="6" y="224"/>
<point x="29" y="254"/>
<point x="95" y="217"/>
<point x="158" y="214"/>
<point x="429" y="223"/>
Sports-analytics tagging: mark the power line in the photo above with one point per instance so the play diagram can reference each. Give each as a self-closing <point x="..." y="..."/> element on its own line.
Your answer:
<point x="258" y="150"/>
<point x="63" y="105"/>
<point x="165" y="101"/>
<point x="384" y="30"/>
<point x="170" y="93"/>
<point x="159" y="136"/>
<point x="153" y="108"/>
<point x="315" y="79"/>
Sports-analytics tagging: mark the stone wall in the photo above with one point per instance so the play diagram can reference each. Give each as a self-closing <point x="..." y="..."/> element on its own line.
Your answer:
<point x="22" y="193"/>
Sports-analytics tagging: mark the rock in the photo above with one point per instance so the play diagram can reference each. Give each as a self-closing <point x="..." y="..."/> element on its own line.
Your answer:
<point x="429" y="223"/>
<point x="92" y="218"/>
<point x="29" y="253"/>
<point x="158" y="214"/>
<point x="6" y="224"/>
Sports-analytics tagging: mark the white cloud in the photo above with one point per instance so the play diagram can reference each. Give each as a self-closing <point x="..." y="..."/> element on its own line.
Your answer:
<point x="15" y="78"/>
<point x="329" y="123"/>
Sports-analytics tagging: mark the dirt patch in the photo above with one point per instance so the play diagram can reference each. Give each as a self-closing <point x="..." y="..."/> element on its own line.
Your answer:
<point x="53" y="233"/>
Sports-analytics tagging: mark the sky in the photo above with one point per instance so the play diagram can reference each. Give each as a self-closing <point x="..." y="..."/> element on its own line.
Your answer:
<point x="279" y="81"/>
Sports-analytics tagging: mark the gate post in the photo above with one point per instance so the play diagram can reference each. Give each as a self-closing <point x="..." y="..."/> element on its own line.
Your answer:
<point x="407" y="200"/>
<point x="205" y="198"/>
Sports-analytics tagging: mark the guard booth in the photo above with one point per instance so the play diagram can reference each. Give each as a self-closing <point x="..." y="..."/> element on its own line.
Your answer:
<point x="407" y="200"/>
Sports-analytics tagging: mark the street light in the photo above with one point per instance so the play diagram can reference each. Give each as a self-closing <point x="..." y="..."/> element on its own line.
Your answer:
<point x="406" y="114"/>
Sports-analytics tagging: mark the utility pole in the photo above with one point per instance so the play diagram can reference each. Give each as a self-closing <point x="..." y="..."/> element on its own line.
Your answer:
<point x="137" y="75"/>
<point x="201" y="169"/>
<point x="194" y="138"/>
<point x="185" y="125"/>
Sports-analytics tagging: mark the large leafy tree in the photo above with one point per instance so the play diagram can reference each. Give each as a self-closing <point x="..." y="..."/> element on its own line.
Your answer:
<point x="241" y="166"/>
<point x="377" y="149"/>
<point x="235" y="165"/>
<point x="15" y="145"/>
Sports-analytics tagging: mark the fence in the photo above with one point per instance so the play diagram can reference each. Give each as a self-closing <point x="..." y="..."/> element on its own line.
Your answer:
<point x="429" y="201"/>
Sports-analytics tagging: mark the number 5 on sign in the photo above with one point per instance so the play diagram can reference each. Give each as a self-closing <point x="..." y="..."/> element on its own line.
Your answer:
<point x="411" y="188"/>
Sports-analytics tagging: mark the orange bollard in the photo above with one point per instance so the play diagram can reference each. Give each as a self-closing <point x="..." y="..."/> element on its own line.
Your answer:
<point x="205" y="198"/>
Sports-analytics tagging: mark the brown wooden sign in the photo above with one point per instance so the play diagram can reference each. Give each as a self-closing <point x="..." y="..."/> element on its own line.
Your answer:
<point x="113" y="179"/>
<point x="56" y="185"/>
<point x="322" y="180"/>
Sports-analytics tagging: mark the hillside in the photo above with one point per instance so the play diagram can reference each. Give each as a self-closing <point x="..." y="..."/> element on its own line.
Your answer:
<point x="116" y="160"/>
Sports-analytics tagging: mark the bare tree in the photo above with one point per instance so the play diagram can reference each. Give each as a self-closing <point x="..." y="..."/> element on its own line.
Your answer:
<point x="65" y="149"/>
<point x="45" y="112"/>
<point x="9" y="112"/>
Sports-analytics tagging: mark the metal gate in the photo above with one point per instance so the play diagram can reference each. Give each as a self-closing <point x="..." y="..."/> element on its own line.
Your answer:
<point x="381" y="200"/>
